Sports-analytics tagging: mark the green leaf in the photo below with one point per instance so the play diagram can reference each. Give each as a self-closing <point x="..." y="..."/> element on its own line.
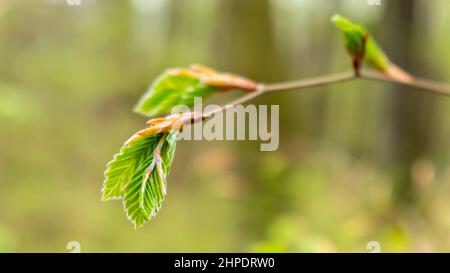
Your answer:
<point x="169" y="90"/>
<point x="123" y="165"/>
<point x="375" y="57"/>
<point x="361" y="46"/>
<point x="354" y="36"/>
<point x="179" y="86"/>
<point x="138" y="175"/>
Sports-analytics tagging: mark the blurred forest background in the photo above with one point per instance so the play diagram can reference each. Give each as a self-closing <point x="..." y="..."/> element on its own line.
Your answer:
<point x="359" y="161"/>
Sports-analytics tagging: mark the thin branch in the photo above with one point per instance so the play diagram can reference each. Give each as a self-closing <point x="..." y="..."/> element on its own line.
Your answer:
<point x="275" y="87"/>
<point x="421" y="84"/>
<point x="319" y="81"/>
<point x="261" y="90"/>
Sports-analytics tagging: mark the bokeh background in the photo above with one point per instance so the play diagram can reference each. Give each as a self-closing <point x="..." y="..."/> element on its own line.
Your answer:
<point x="358" y="162"/>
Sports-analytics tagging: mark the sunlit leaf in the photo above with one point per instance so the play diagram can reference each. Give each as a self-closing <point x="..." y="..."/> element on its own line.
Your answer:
<point x="362" y="46"/>
<point x="123" y="165"/>
<point x="179" y="86"/>
<point x="354" y="35"/>
<point x="138" y="175"/>
<point x="169" y="90"/>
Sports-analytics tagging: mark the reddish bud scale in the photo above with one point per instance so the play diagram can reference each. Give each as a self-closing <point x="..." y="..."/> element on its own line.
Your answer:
<point x="211" y="77"/>
<point x="165" y="125"/>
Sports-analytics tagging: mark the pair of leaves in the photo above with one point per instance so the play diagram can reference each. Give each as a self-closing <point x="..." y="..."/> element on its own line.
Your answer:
<point x="362" y="46"/>
<point x="179" y="86"/>
<point x="137" y="174"/>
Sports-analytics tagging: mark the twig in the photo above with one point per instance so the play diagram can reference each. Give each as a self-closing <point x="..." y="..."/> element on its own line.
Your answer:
<point x="261" y="90"/>
<point x="423" y="85"/>
<point x="319" y="81"/>
<point x="275" y="87"/>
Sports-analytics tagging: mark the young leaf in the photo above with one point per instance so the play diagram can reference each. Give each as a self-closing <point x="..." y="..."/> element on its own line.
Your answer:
<point x="179" y="86"/>
<point x="170" y="89"/>
<point x="354" y="36"/>
<point x="146" y="189"/>
<point x="361" y="46"/>
<point x="123" y="165"/>
<point x="138" y="175"/>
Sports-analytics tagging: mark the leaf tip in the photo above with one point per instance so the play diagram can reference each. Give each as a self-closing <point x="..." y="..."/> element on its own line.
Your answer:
<point x="343" y="22"/>
<point x="335" y="17"/>
<point x="105" y="197"/>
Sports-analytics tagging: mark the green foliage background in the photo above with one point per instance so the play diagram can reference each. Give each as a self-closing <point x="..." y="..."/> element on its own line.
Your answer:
<point x="359" y="161"/>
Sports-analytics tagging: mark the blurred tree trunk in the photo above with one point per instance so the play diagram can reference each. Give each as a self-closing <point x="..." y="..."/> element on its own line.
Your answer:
<point x="244" y="44"/>
<point x="410" y="112"/>
<point x="178" y="28"/>
<point x="244" y="38"/>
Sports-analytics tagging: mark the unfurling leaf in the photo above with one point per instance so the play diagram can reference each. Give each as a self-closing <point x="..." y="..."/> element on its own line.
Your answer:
<point x="179" y="86"/>
<point x="138" y="173"/>
<point x="170" y="123"/>
<point x="146" y="189"/>
<point x="361" y="46"/>
<point x="354" y="36"/>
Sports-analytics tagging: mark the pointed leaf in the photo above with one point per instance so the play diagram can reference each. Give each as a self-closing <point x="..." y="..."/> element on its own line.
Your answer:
<point x="146" y="190"/>
<point x="179" y="86"/>
<point x="353" y="35"/>
<point x="375" y="57"/>
<point x="138" y="175"/>
<point x="360" y="44"/>
<point x="171" y="89"/>
<point x="123" y="165"/>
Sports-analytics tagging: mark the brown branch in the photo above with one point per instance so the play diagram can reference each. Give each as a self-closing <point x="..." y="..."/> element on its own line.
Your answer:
<point x="275" y="87"/>
<point x="423" y="85"/>
<point x="313" y="82"/>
